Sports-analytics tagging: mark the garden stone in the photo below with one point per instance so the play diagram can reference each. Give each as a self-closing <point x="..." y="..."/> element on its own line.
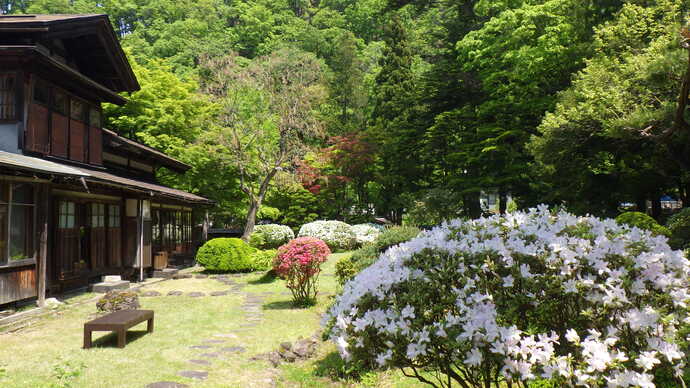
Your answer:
<point x="182" y="276"/>
<point x="175" y="293"/>
<point x="286" y="345"/>
<point x="166" y="384"/>
<point x="200" y="276"/>
<point x="288" y="356"/>
<point x="118" y="300"/>
<point x="194" y="374"/>
<point x="195" y="294"/>
<point x="233" y="349"/>
<point x="200" y="362"/>
<point x="274" y="358"/>
<point x="210" y="355"/>
<point x="150" y="293"/>
<point x="200" y="347"/>
<point x="214" y="341"/>
<point x="218" y="293"/>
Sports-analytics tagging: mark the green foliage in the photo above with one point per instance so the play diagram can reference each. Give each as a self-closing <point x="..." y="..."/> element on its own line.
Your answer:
<point x="64" y="373"/>
<point x="643" y="221"/>
<point x="263" y="260"/>
<point x="226" y="255"/>
<point x="347" y="268"/>
<point x="679" y="228"/>
<point x="297" y="205"/>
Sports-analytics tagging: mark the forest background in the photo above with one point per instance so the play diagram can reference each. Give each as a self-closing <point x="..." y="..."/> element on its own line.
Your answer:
<point x="348" y="109"/>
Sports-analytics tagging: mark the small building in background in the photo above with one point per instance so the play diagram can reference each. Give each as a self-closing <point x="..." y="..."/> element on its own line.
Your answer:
<point x="78" y="201"/>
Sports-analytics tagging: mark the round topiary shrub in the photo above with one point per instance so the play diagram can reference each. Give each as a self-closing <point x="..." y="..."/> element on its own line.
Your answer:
<point x="642" y="221"/>
<point x="270" y="236"/>
<point x="679" y="227"/>
<point x="299" y="263"/>
<point x="336" y="234"/>
<point x="365" y="233"/>
<point x="225" y="255"/>
<point x="263" y="260"/>
<point x="519" y="298"/>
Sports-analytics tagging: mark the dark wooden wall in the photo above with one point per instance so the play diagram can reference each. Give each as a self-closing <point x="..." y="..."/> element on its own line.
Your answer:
<point x="17" y="284"/>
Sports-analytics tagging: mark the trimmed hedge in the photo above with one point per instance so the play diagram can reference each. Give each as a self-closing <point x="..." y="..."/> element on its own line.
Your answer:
<point x="226" y="255"/>
<point x="263" y="260"/>
<point x="347" y="268"/>
<point x="679" y="227"/>
<point x="270" y="236"/>
<point x="642" y="221"/>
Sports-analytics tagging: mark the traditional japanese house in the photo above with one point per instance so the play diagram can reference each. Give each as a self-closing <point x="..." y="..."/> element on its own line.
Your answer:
<point x="77" y="201"/>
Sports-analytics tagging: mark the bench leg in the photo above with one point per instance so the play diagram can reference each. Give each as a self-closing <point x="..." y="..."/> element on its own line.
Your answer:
<point x="121" y="338"/>
<point x="87" y="338"/>
<point x="149" y="325"/>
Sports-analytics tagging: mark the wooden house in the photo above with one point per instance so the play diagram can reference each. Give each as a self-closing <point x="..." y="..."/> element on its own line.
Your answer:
<point x="77" y="201"/>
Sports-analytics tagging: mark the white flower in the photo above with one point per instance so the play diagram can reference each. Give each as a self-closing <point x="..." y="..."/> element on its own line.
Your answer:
<point x="572" y="336"/>
<point x="647" y="360"/>
<point x="508" y="281"/>
<point x="474" y="357"/>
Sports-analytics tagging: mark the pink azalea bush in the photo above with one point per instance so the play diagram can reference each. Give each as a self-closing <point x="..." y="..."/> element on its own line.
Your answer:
<point x="299" y="263"/>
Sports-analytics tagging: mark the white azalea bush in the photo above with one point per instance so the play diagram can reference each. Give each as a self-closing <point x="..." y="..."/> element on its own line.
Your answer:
<point x="365" y="233"/>
<point x="337" y="234"/>
<point x="271" y="236"/>
<point x="505" y="301"/>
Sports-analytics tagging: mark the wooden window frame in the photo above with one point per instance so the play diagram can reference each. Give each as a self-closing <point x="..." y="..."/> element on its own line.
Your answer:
<point x="7" y="262"/>
<point x="13" y="93"/>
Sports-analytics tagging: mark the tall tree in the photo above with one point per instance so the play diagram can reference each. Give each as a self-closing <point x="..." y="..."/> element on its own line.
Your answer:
<point x="266" y="118"/>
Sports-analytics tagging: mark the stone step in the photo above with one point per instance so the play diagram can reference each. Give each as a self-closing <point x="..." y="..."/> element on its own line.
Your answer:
<point x="110" y="286"/>
<point x="165" y="273"/>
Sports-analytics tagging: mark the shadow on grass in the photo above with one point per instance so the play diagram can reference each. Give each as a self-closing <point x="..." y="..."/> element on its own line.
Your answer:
<point x="110" y="340"/>
<point x="282" y="305"/>
<point x="268" y="277"/>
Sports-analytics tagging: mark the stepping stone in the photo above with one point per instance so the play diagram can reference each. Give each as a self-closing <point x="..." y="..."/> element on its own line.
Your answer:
<point x="268" y="293"/>
<point x="182" y="276"/>
<point x="218" y="293"/>
<point x="166" y="273"/>
<point x="150" y="293"/>
<point x="175" y="293"/>
<point x="166" y="384"/>
<point x="104" y="287"/>
<point x="200" y="276"/>
<point x="200" y="362"/>
<point x="226" y="335"/>
<point x="233" y="349"/>
<point x="210" y="355"/>
<point x="200" y="347"/>
<point x="286" y="293"/>
<point x="194" y="374"/>
<point x="214" y="341"/>
<point x="195" y="294"/>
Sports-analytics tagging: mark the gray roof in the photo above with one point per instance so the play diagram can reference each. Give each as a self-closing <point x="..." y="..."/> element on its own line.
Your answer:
<point x="28" y="163"/>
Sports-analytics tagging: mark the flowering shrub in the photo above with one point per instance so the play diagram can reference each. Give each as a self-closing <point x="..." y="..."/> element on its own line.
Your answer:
<point x="338" y="235"/>
<point x="642" y="221"/>
<point x="299" y="263"/>
<point x="531" y="295"/>
<point x="365" y="233"/>
<point x="270" y="236"/>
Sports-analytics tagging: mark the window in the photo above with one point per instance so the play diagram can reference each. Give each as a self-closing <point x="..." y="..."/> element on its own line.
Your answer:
<point x="60" y="102"/>
<point x="94" y="117"/>
<point x="66" y="215"/>
<point x="97" y="215"/>
<point x="113" y="216"/>
<point x="16" y="222"/>
<point x="77" y="110"/>
<point x="7" y="97"/>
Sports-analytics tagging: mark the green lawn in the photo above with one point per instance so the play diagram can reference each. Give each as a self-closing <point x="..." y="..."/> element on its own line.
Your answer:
<point x="49" y="354"/>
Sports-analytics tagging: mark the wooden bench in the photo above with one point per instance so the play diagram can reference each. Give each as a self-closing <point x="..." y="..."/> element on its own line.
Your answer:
<point x="120" y="322"/>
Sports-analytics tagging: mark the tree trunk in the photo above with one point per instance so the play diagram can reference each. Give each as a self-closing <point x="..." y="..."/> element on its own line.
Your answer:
<point x="641" y="204"/>
<point x="502" y="201"/>
<point x="254" y="205"/>
<point x="471" y="205"/>
<point x="656" y="207"/>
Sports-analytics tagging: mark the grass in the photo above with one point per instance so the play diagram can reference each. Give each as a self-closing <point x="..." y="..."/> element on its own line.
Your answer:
<point x="49" y="354"/>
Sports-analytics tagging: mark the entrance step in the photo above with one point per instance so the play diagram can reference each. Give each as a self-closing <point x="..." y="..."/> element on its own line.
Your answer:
<point x="165" y="273"/>
<point x="110" y="286"/>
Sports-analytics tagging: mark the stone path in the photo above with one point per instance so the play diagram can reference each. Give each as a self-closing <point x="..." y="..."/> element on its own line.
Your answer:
<point x="222" y="344"/>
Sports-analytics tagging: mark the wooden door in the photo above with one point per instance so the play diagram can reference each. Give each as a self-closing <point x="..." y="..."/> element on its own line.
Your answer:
<point x="67" y="244"/>
<point x="114" y="236"/>
<point x="97" y="240"/>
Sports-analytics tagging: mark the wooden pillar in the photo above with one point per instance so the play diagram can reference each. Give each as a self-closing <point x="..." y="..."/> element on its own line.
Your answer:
<point x="204" y="228"/>
<point x="44" y="213"/>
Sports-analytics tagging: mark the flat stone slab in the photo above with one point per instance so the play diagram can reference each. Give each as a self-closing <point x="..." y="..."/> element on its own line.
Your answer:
<point x="210" y="355"/>
<point x="175" y="293"/>
<point x="229" y="335"/>
<point x="150" y="293"/>
<point x="200" y="276"/>
<point x="165" y="273"/>
<point x="195" y="294"/>
<point x="182" y="276"/>
<point x="233" y="349"/>
<point x="200" y="362"/>
<point x="111" y="278"/>
<point x="214" y="341"/>
<point x="166" y="384"/>
<point x="248" y="325"/>
<point x="200" y="347"/>
<point x="218" y="293"/>
<point x="110" y="286"/>
<point x="194" y="374"/>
